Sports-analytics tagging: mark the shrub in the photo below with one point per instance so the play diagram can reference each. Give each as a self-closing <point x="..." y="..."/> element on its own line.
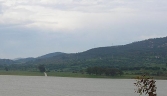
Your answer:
<point x="145" y="85"/>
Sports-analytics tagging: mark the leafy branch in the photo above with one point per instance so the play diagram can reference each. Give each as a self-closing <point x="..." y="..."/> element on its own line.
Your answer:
<point x="145" y="85"/>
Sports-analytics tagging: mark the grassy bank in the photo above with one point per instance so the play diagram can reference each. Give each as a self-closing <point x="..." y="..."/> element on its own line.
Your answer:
<point x="70" y="74"/>
<point x="21" y="73"/>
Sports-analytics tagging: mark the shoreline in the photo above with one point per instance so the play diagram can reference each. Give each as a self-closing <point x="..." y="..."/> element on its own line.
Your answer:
<point x="74" y="75"/>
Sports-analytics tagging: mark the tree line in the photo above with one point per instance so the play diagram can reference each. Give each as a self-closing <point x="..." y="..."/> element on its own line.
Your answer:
<point x="104" y="71"/>
<point x="139" y="68"/>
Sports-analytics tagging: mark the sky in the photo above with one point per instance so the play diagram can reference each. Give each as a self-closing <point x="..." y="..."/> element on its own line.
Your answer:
<point x="31" y="28"/>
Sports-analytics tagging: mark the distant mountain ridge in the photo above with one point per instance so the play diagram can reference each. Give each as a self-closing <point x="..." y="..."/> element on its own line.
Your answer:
<point x="6" y="62"/>
<point x="24" y="60"/>
<point x="140" y="53"/>
<point x="136" y="54"/>
<point x="51" y="55"/>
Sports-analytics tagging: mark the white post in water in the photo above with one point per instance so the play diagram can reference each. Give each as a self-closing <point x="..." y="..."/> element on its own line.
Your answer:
<point x="45" y="74"/>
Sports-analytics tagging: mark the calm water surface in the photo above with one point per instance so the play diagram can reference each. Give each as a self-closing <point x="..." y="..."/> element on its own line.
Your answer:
<point x="64" y="86"/>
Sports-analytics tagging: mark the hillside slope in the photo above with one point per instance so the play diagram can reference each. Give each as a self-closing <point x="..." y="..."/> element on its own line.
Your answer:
<point x="142" y="53"/>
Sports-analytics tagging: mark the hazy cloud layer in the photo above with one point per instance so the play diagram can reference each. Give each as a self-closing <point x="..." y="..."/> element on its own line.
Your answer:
<point x="36" y="27"/>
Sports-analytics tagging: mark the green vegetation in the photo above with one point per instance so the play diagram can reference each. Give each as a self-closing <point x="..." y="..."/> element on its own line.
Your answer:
<point x="21" y="73"/>
<point x="72" y="74"/>
<point x="41" y="68"/>
<point x="142" y="57"/>
<point x="104" y="70"/>
<point x="62" y="74"/>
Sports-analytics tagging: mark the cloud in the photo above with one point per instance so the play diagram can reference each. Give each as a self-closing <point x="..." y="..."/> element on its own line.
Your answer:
<point x="0" y="10"/>
<point x="44" y="26"/>
<point x="72" y="15"/>
<point x="58" y="14"/>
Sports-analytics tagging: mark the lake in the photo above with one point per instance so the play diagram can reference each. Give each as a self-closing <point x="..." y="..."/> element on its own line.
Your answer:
<point x="65" y="86"/>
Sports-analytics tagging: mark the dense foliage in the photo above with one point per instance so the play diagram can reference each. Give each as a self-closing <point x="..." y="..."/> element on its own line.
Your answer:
<point x="146" y="85"/>
<point x="104" y="70"/>
<point x="41" y="68"/>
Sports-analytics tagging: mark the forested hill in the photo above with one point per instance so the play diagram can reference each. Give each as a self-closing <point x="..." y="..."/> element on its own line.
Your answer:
<point x="141" y="53"/>
<point x="146" y="45"/>
<point x="6" y="62"/>
<point x="141" y="50"/>
<point x="51" y="55"/>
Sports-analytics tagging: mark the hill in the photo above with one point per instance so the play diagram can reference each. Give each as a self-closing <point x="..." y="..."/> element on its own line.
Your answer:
<point x="151" y="52"/>
<point x="141" y="53"/>
<point x="23" y="60"/>
<point x="6" y="62"/>
<point x="50" y="55"/>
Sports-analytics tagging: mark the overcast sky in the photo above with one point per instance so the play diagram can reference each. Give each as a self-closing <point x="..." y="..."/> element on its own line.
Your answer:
<point x="31" y="28"/>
